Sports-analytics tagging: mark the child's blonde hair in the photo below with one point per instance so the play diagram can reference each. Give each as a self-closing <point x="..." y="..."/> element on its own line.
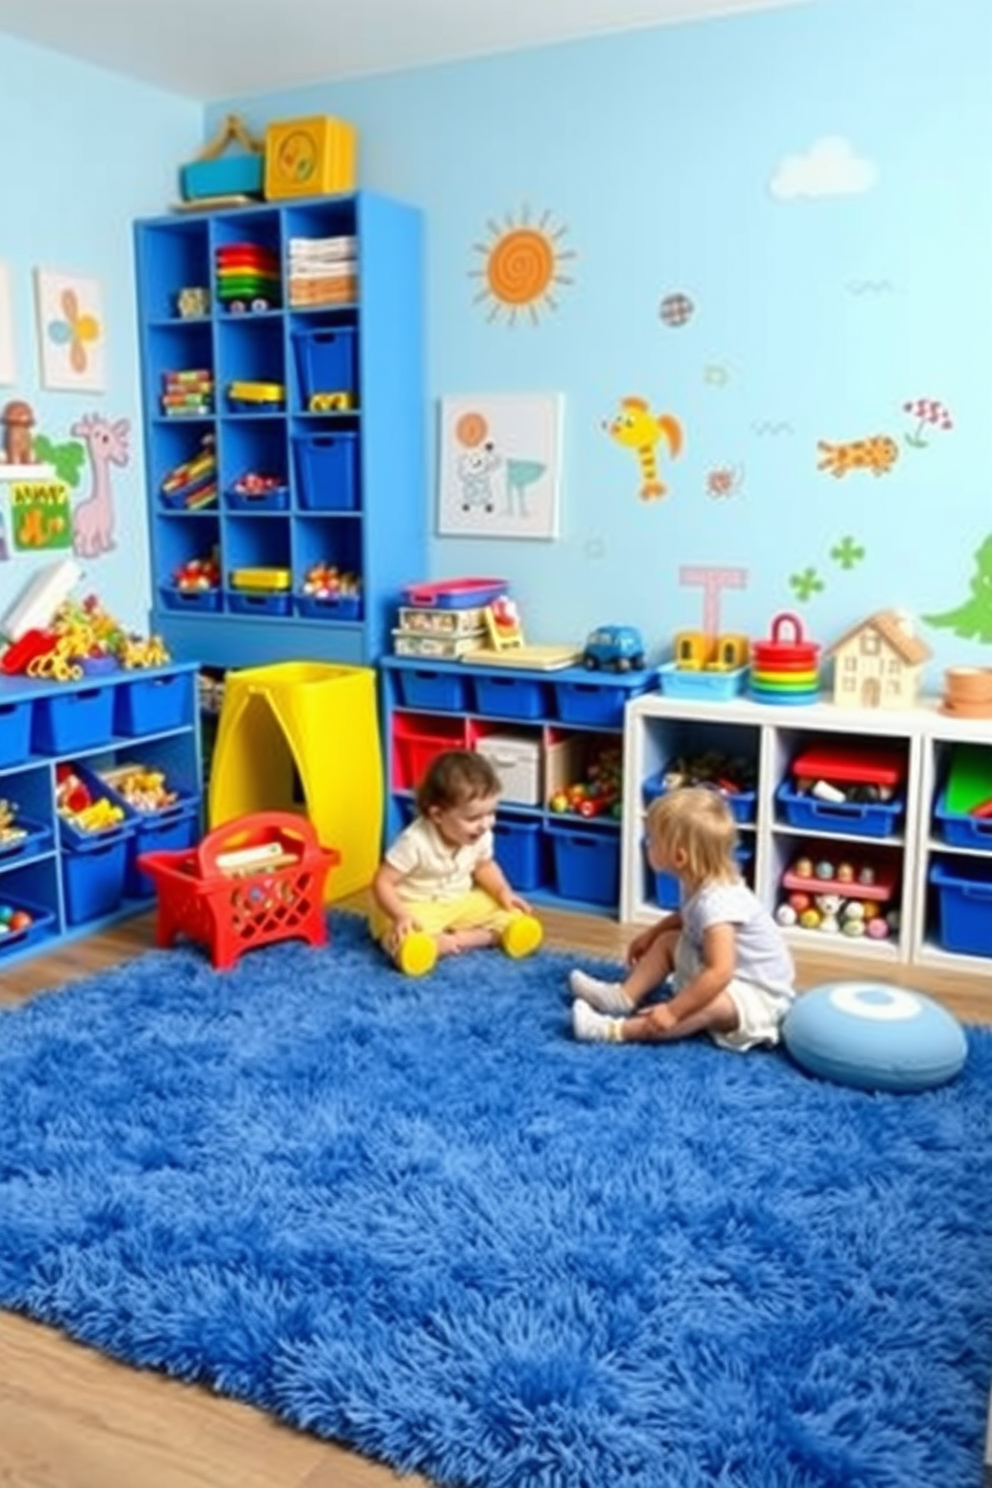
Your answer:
<point x="696" y="822"/>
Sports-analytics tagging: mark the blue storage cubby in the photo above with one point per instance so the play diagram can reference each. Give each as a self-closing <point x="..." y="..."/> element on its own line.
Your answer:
<point x="326" y="467"/>
<point x="599" y="703"/>
<point x="425" y="688"/>
<point x="326" y="360"/>
<point x="845" y="818"/>
<point x="15" y="733"/>
<point x="79" y="718"/>
<point x="964" y="900"/>
<point x="359" y="453"/>
<point x="151" y="703"/>
<point x="519" y="850"/>
<point x="498" y="696"/>
<point x="587" y="865"/>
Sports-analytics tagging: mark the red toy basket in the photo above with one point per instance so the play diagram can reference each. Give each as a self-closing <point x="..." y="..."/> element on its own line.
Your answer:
<point x="254" y="880"/>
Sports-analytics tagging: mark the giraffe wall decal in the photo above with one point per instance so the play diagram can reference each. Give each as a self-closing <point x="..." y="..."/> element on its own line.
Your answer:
<point x="93" y="517"/>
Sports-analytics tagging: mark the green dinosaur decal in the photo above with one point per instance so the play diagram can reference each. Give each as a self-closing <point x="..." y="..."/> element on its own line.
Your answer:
<point x="67" y="458"/>
<point x="972" y="621"/>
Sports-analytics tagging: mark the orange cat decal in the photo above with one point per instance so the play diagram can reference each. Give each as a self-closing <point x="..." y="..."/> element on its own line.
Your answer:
<point x="877" y="454"/>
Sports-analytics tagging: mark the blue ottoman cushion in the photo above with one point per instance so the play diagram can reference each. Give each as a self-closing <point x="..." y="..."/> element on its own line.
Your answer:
<point x="874" y="1036"/>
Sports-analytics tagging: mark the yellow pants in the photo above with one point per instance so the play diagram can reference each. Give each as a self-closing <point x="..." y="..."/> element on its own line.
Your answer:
<point x="475" y="910"/>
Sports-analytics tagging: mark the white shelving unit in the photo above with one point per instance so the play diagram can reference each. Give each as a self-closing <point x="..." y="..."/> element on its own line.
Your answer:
<point x="659" y="729"/>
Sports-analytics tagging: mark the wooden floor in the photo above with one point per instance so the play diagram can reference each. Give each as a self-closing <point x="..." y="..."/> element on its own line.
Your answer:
<point x="70" y="1418"/>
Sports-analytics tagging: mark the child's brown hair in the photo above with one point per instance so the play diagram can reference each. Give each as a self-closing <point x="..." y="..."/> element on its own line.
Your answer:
<point x="454" y="777"/>
<point x="696" y="822"/>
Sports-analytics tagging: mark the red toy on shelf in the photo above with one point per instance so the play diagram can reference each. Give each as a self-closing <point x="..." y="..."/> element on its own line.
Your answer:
<point x="252" y="881"/>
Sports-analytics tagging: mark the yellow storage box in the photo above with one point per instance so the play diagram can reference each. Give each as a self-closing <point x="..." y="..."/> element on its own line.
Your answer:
<point x="315" y="156"/>
<point x="272" y="580"/>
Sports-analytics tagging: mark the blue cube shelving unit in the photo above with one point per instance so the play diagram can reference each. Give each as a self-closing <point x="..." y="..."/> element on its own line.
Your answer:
<point x="73" y="884"/>
<point x="349" y="470"/>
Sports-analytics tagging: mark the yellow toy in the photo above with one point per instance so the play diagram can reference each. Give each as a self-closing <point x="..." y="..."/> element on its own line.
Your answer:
<point x="304" y="737"/>
<point x="309" y="157"/>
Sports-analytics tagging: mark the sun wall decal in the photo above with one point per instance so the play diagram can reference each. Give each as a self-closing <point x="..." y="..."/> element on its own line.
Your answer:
<point x="522" y="265"/>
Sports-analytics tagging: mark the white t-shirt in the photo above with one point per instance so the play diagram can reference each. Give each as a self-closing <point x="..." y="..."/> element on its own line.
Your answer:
<point x="762" y="955"/>
<point x="432" y="870"/>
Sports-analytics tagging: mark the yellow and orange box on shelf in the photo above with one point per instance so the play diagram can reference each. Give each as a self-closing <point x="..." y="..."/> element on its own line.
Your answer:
<point x="314" y="156"/>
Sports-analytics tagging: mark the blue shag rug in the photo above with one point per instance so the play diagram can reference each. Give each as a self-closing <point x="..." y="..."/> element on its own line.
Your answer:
<point x="418" y="1218"/>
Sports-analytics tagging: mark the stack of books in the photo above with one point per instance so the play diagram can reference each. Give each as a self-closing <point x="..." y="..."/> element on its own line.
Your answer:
<point x="322" y="271"/>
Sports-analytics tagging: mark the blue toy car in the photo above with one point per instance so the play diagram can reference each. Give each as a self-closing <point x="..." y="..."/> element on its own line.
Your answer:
<point x="614" y="648"/>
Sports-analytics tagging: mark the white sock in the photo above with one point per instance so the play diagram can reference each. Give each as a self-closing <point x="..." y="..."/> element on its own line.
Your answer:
<point x="605" y="997"/>
<point x="592" y="1027"/>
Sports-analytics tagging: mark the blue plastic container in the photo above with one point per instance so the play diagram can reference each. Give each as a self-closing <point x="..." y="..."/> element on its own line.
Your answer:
<point x="93" y="876"/>
<point x="15" y="733"/>
<point x="666" y="885"/>
<point x="845" y="818"/>
<point x="961" y="830"/>
<point x="599" y="703"/>
<point x="965" y="906"/>
<point x="425" y="688"/>
<point x="172" y="830"/>
<point x="518" y="851"/>
<point x="37" y="839"/>
<point x="78" y="719"/>
<point x="347" y="607"/>
<point x="326" y="360"/>
<point x="42" y="923"/>
<point x="510" y="697"/>
<point x="190" y="599"/>
<point x="327" y="471"/>
<point x="587" y="865"/>
<point x="241" y="602"/>
<point x="743" y="804"/>
<point x="151" y="704"/>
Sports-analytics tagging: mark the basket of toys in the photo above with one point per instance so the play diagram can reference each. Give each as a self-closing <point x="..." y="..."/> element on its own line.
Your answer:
<point x="255" y="880"/>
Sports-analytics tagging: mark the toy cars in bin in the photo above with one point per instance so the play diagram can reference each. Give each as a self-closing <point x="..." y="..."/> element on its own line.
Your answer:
<point x="253" y="881"/>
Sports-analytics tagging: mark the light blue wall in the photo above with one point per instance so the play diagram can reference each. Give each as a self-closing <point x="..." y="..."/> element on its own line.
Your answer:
<point x="85" y="153"/>
<point x="655" y="151"/>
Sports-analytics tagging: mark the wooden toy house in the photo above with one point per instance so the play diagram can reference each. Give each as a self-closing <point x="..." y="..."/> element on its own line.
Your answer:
<point x="879" y="663"/>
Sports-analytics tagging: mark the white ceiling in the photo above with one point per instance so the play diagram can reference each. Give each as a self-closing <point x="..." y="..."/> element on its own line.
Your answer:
<point x="210" y="49"/>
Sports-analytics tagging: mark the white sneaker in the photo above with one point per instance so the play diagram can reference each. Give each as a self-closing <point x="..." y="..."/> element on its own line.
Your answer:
<point x="594" y="1028"/>
<point x="605" y="997"/>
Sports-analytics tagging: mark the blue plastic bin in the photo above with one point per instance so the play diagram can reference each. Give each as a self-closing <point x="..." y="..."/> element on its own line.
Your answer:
<point x="518" y="851"/>
<point x="93" y="876"/>
<point x="171" y="830"/>
<point x="346" y="607"/>
<point x="510" y="697"/>
<point x="326" y="360"/>
<point x="587" y="865"/>
<point x="965" y="906"/>
<point x="599" y="703"/>
<point x="666" y="885"/>
<point x="37" y="839"/>
<point x="327" y="470"/>
<point x="15" y="733"/>
<point x="42" y="923"/>
<point x="81" y="719"/>
<point x="150" y="704"/>
<point x="960" y="829"/>
<point x="244" y="602"/>
<point x="845" y="818"/>
<point x="743" y="804"/>
<point x="425" y="688"/>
